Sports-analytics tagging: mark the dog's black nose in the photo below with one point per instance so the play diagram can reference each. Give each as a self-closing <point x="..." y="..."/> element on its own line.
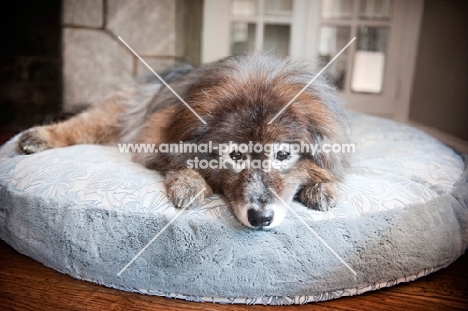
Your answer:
<point x="260" y="218"/>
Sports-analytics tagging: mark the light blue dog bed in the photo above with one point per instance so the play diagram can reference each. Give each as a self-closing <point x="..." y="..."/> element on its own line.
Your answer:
<point x="88" y="210"/>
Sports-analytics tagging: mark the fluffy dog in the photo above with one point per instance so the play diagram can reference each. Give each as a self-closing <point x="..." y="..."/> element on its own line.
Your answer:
<point x="237" y="98"/>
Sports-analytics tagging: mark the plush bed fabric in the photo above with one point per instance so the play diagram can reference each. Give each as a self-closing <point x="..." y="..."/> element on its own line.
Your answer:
<point x="88" y="210"/>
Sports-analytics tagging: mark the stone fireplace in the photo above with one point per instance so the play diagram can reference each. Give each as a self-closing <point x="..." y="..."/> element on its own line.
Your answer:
<point x="95" y="61"/>
<point x="63" y="54"/>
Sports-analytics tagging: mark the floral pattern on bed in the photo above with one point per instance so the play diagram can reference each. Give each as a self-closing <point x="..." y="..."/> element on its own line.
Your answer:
<point x="393" y="165"/>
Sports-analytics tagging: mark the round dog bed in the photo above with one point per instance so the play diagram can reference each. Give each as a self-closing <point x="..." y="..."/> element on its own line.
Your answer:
<point x="87" y="211"/>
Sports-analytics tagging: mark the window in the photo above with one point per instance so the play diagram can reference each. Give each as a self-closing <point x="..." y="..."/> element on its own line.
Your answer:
<point x="374" y="74"/>
<point x="260" y="25"/>
<point x="237" y="26"/>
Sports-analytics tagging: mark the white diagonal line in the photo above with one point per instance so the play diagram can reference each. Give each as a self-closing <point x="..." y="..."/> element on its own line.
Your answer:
<point x="164" y="82"/>
<point x="160" y="232"/>
<point x="311" y="81"/>
<point x="315" y="233"/>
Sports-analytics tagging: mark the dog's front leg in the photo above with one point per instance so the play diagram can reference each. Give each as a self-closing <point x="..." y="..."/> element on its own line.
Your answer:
<point x="319" y="196"/>
<point x="186" y="188"/>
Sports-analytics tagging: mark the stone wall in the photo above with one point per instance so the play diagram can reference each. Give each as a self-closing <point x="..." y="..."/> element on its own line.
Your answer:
<point x="163" y="32"/>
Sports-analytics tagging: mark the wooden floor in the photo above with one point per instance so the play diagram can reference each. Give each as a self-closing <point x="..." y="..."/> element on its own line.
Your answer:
<point x="27" y="285"/>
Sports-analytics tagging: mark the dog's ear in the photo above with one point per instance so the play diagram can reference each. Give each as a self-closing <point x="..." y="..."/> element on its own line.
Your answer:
<point x="326" y="126"/>
<point x="164" y="129"/>
<point x="329" y="156"/>
<point x="185" y="127"/>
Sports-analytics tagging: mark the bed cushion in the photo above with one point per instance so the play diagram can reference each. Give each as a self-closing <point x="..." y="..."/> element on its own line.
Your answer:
<point x="87" y="210"/>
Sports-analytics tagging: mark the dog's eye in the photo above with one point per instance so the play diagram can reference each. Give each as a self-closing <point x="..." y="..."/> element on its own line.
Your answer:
<point x="282" y="155"/>
<point x="237" y="156"/>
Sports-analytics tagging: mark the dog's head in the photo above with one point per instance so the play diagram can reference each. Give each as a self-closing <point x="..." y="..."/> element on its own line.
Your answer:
<point x="255" y="165"/>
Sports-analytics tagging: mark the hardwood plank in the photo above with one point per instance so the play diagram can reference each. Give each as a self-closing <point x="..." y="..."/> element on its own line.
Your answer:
<point x="28" y="285"/>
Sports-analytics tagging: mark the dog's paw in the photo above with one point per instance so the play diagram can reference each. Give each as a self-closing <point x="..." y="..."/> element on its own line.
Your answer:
<point x="32" y="141"/>
<point x="186" y="188"/>
<point x="320" y="196"/>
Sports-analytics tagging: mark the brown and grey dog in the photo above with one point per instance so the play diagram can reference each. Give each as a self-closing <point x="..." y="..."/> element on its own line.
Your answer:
<point x="237" y="97"/>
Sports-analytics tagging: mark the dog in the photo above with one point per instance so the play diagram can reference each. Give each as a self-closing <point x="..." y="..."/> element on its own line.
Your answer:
<point x="238" y="100"/>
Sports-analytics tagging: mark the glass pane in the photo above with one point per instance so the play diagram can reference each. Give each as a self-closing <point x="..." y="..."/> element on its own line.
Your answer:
<point x="332" y="40"/>
<point x="244" y="7"/>
<point x="278" y="7"/>
<point x="276" y="39"/>
<point x="242" y="37"/>
<point x="375" y="9"/>
<point x="369" y="60"/>
<point x="337" y="9"/>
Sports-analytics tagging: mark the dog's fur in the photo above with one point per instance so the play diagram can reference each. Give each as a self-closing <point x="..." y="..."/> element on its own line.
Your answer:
<point x="237" y="97"/>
